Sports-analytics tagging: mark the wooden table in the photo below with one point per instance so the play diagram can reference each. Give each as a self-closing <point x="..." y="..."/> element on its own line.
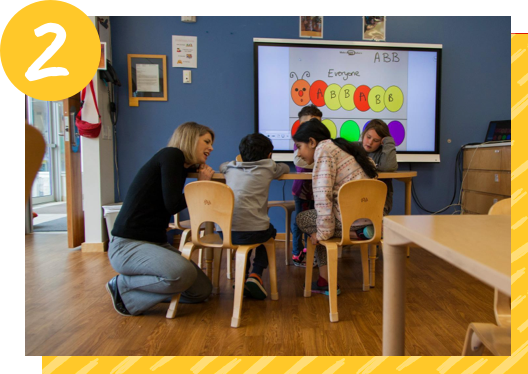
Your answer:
<point x="478" y="245"/>
<point x="402" y="176"/>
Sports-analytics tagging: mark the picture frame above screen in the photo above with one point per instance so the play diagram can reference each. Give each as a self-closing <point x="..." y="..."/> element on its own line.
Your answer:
<point x="351" y="83"/>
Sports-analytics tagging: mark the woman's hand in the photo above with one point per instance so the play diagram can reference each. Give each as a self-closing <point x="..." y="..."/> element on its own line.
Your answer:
<point x="205" y="172"/>
<point x="313" y="238"/>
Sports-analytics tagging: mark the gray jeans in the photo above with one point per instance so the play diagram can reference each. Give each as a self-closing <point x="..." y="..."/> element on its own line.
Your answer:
<point x="151" y="272"/>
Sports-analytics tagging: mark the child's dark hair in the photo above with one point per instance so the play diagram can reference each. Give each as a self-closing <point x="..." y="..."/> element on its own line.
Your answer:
<point x="319" y="132"/>
<point x="310" y="110"/>
<point x="255" y="147"/>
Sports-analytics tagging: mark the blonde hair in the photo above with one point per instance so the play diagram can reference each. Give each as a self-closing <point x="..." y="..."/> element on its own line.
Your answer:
<point x="185" y="138"/>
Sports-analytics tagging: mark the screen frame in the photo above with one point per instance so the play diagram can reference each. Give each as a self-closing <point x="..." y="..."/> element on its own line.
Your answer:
<point x="403" y="156"/>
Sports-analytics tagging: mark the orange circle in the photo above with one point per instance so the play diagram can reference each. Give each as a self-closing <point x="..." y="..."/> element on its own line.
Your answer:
<point x="295" y="126"/>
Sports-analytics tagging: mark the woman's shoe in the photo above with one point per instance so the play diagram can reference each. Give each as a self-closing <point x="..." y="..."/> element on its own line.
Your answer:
<point x="112" y="289"/>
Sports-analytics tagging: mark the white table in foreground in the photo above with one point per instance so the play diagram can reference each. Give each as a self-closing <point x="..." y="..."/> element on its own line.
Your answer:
<point x="478" y="245"/>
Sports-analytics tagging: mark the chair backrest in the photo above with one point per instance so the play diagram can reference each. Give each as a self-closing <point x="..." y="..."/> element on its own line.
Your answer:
<point x="35" y="148"/>
<point x="209" y="201"/>
<point x="363" y="198"/>
<point x="501" y="208"/>
<point x="501" y="302"/>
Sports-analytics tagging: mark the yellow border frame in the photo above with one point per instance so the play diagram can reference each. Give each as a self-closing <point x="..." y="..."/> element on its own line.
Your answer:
<point x="516" y="363"/>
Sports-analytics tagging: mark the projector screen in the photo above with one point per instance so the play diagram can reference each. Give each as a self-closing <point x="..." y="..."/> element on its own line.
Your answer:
<point x="351" y="83"/>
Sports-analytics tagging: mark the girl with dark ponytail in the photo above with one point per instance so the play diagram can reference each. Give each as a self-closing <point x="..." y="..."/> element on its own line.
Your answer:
<point x="336" y="161"/>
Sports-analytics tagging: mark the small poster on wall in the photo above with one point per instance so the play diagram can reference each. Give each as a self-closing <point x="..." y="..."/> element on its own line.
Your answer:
<point x="374" y="28"/>
<point x="184" y="51"/>
<point x="311" y="27"/>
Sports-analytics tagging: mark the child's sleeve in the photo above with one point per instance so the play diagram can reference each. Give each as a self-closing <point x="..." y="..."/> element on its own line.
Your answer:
<point x="223" y="167"/>
<point x="323" y="179"/>
<point x="280" y="169"/>
<point x="388" y="160"/>
<point x="299" y="162"/>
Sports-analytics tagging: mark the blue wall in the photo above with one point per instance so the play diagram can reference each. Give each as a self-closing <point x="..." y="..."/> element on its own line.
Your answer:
<point x="475" y="87"/>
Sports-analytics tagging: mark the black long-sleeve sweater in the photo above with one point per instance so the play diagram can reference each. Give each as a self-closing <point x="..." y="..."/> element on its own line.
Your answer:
<point x="153" y="197"/>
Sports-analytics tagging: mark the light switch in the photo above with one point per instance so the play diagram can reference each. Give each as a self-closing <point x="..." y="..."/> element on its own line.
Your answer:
<point x="186" y="76"/>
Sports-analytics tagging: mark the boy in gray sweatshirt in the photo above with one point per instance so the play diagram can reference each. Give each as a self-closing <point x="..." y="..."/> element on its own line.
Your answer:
<point x="250" y="180"/>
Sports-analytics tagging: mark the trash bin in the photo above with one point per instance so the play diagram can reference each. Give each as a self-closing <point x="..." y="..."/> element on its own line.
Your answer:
<point x="110" y="214"/>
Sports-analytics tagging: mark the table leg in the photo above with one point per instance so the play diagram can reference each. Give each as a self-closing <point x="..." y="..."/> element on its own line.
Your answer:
<point x="393" y="299"/>
<point x="408" y="197"/>
<point x="208" y="252"/>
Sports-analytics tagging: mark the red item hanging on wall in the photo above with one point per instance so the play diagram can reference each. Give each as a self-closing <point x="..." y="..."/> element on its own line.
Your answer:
<point x="87" y="129"/>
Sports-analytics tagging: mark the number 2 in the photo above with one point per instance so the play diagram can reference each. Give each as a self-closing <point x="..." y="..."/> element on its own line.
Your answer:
<point x="34" y="73"/>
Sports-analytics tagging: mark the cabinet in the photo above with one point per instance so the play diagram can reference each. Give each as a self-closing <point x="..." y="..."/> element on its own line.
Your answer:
<point x="486" y="176"/>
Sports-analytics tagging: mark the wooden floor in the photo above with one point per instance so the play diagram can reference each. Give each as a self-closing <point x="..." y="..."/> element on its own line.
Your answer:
<point x="69" y="312"/>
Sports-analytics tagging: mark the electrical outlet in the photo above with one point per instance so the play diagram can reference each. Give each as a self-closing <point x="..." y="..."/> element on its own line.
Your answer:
<point x="186" y="76"/>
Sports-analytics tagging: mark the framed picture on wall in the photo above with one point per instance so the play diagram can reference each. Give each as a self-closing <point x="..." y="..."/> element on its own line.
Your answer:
<point x="311" y="27"/>
<point x="374" y="28"/>
<point x="147" y="78"/>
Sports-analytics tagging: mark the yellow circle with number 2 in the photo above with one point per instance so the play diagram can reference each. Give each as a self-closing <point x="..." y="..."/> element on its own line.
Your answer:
<point x="50" y="50"/>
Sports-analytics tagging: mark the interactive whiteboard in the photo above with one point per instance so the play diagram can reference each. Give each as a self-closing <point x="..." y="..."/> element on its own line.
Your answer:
<point x="351" y="84"/>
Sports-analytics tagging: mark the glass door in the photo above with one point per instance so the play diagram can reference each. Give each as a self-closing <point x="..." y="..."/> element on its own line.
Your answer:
<point x="46" y="116"/>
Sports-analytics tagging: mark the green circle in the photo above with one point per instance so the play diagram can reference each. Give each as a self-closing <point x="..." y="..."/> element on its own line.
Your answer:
<point x="331" y="126"/>
<point x="350" y="131"/>
<point x="376" y="99"/>
<point x="331" y="97"/>
<point x="346" y="97"/>
<point x="393" y="98"/>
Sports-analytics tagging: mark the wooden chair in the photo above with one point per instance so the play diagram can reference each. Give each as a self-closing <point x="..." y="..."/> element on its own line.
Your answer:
<point x="35" y="149"/>
<point x="289" y="208"/>
<point x="357" y="199"/>
<point x="497" y="338"/>
<point x="185" y="227"/>
<point x="213" y="202"/>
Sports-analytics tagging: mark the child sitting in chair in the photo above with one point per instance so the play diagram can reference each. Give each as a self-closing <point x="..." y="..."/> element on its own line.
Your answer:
<point x="250" y="180"/>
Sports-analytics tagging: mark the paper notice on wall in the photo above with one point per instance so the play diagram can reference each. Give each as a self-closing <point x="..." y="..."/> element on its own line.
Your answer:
<point x="147" y="78"/>
<point x="184" y="51"/>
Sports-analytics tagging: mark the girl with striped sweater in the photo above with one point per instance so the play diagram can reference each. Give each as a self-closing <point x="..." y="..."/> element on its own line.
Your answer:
<point x="336" y="161"/>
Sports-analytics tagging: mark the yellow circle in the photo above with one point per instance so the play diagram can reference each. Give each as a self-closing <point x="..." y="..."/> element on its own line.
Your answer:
<point x="393" y="98"/>
<point x="49" y="67"/>
<point x="331" y="97"/>
<point x="376" y="99"/>
<point x="346" y="97"/>
<point x="331" y="126"/>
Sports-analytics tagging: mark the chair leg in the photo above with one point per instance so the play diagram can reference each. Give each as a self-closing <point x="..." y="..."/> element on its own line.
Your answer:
<point x="331" y="254"/>
<point x="173" y="307"/>
<point x="408" y="251"/>
<point x="270" y="250"/>
<point x="240" y="278"/>
<point x="373" y="249"/>
<point x="217" y="260"/>
<point x="340" y="251"/>
<point x="229" y="276"/>
<point x="185" y="236"/>
<point x="310" y="251"/>
<point x="171" y="312"/>
<point x="472" y="345"/>
<point x="200" y="258"/>
<point x="287" y="238"/>
<point x="364" y="265"/>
